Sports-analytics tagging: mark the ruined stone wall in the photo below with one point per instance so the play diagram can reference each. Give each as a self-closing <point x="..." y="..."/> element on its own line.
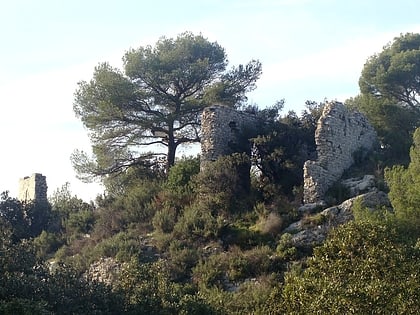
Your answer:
<point x="339" y="134"/>
<point x="221" y="128"/>
<point x="33" y="188"/>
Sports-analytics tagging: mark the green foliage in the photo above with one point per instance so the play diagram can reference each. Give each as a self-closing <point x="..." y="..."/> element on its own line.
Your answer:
<point x="28" y="287"/>
<point x="389" y="89"/>
<point x="149" y="291"/>
<point x="38" y="216"/>
<point x="197" y="223"/>
<point x="25" y="219"/>
<point x="363" y="269"/>
<point x="404" y="191"/>
<point x="180" y="175"/>
<point x="182" y="258"/>
<point x="79" y="223"/>
<point x="259" y="296"/>
<point x="123" y="246"/>
<point x="164" y="220"/>
<point x="394" y="125"/>
<point x="135" y="205"/>
<point x="223" y="185"/>
<point x="12" y="216"/>
<point x="285" y="249"/>
<point x="46" y="244"/>
<point x="218" y="270"/>
<point x="394" y="72"/>
<point x="156" y="100"/>
<point x="282" y="147"/>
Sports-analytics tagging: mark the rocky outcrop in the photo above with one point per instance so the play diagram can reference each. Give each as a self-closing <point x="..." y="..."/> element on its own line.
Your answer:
<point x="339" y="135"/>
<point x="313" y="230"/>
<point x="33" y="188"/>
<point x="359" y="185"/>
<point x="105" y="270"/>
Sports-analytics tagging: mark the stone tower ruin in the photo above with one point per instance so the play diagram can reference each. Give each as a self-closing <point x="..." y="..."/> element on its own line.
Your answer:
<point x="221" y="129"/>
<point x="33" y="188"/>
<point x="339" y="134"/>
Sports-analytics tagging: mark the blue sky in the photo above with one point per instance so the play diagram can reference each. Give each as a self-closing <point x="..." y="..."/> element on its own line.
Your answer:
<point x="309" y="49"/>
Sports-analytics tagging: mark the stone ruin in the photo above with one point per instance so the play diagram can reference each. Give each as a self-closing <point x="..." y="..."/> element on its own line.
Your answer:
<point x="33" y="188"/>
<point x="340" y="133"/>
<point x="221" y="129"/>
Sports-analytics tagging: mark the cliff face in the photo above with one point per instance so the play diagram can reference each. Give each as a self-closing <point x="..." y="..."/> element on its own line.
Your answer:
<point x="339" y="134"/>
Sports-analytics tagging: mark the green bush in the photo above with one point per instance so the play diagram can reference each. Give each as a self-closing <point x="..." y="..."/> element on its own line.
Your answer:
<point x="180" y="175"/>
<point x="197" y="223"/>
<point x="182" y="258"/>
<point x="123" y="246"/>
<point x="148" y="290"/>
<point x="363" y="268"/>
<point x="164" y="220"/>
<point x="225" y="185"/>
<point x="210" y="272"/>
<point x="46" y="244"/>
<point x="285" y="249"/>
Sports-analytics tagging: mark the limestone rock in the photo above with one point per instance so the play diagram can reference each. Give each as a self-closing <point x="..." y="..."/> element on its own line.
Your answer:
<point x="105" y="270"/>
<point x="307" y="232"/>
<point x="359" y="185"/>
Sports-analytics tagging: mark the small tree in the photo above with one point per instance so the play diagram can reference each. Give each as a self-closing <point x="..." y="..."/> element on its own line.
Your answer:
<point x="404" y="187"/>
<point x="394" y="73"/>
<point x="361" y="269"/>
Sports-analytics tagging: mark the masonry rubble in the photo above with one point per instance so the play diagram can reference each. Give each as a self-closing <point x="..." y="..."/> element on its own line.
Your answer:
<point x="339" y="135"/>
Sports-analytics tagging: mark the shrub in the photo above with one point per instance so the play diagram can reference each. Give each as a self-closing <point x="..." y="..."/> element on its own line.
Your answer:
<point x="362" y="267"/>
<point x="270" y="224"/>
<point x="179" y="176"/>
<point x="46" y="244"/>
<point x="164" y="220"/>
<point x="196" y="223"/>
<point x="182" y="259"/>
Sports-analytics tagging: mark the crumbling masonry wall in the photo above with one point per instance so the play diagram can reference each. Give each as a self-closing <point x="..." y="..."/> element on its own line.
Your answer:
<point x="221" y="129"/>
<point x="33" y="188"/>
<point x="224" y="131"/>
<point x="339" y="134"/>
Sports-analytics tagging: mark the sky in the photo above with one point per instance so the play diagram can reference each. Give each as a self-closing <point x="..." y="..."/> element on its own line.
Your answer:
<point x="309" y="50"/>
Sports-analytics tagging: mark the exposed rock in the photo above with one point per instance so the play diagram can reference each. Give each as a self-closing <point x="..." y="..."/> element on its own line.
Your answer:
<point x="105" y="270"/>
<point x="339" y="134"/>
<point x="311" y="231"/>
<point x="359" y="185"/>
<point x="312" y="207"/>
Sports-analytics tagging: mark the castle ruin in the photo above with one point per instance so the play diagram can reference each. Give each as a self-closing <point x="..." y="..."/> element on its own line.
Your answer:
<point x="221" y="130"/>
<point x="340" y="133"/>
<point x="33" y="188"/>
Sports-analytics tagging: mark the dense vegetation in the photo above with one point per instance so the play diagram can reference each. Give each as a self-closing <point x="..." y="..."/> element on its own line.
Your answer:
<point x="191" y="242"/>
